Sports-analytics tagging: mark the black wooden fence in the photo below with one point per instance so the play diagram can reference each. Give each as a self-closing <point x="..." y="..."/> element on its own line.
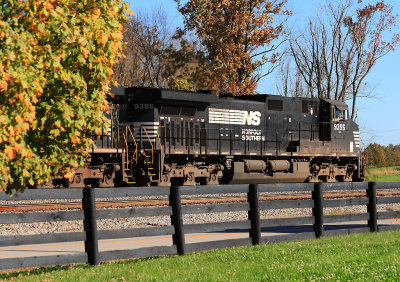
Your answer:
<point x="317" y="224"/>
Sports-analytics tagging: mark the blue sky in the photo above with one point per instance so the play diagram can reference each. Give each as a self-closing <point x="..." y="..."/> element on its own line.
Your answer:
<point x="379" y="117"/>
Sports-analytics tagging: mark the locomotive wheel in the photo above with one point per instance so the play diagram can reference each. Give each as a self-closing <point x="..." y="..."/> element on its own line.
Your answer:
<point x="165" y="178"/>
<point x="107" y="181"/>
<point x="331" y="178"/>
<point x="213" y="180"/>
<point x="313" y="179"/>
<point x="165" y="181"/>
<point x="189" y="180"/>
<point x="78" y="179"/>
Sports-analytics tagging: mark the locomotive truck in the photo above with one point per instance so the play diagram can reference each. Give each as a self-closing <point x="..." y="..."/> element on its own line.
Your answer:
<point x="162" y="137"/>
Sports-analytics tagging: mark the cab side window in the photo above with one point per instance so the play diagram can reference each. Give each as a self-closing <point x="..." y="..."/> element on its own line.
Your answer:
<point x="338" y="114"/>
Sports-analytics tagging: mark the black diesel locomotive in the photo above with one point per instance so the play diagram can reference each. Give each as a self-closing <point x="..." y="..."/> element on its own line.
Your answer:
<point x="163" y="137"/>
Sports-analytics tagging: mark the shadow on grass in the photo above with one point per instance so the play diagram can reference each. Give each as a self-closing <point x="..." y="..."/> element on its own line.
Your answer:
<point x="49" y="269"/>
<point x="37" y="271"/>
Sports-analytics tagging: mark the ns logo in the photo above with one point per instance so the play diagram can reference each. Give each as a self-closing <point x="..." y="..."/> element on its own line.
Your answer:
<point x="239" y="117"/>
<point x="252" y="118"/>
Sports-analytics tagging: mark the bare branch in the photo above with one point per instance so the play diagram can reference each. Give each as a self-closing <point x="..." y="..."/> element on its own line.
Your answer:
<point x="338" y="50"/>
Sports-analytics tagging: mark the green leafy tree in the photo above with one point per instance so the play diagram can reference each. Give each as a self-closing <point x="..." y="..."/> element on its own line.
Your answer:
<point x="382" y="156"/>
<point x="56" y="62"/>
<point x="376" y="155"/>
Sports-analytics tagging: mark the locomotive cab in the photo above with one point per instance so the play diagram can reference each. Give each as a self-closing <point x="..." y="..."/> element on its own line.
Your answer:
<point x="340" y="121"/>
<point x="341" y="135"/>
<point x="333" y="119"/>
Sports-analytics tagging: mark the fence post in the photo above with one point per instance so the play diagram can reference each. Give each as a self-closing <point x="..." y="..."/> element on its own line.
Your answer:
<point x="254" y="215"/>
<point x="371" y="207"/>
<point x="90" y="226"/>
<point x="178" y="238"/>
<point x="318" y="210"/>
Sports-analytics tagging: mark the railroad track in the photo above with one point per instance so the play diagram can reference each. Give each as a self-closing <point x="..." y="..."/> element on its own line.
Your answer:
<point x="28" y="207"/>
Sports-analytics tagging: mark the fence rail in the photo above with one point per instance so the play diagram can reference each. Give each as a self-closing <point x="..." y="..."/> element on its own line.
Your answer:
<point x="316" y="224"/>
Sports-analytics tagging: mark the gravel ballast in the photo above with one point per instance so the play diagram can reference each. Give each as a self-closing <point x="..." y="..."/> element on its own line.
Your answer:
<point x="143" y="222"/>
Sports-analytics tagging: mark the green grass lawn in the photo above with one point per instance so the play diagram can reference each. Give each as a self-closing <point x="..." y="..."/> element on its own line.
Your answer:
<point x="383" y="174"/>
<point x="364" y="257"/>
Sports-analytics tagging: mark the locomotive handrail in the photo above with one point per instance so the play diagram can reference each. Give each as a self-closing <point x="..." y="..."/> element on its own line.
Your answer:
<point x="126" y="146"/>
<point x="270" y="138"/>
<point x="134" y="140"/>
<point x="158" y="137"/>
<point x="161" y="150"/>
<point x="290" y="132"/>
<point x="275" y="140"/>
<point x="151" y="144"/>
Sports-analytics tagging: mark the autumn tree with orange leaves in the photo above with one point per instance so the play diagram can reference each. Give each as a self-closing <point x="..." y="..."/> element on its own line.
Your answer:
<point x="56" y="62"/>
<point x="239" y="38"/>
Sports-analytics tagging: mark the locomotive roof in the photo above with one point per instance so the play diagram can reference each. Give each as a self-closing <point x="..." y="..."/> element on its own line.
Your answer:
<point x="265" y="97"/>
<point x="207" y="96"/>
<point x="339" y="104"/>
